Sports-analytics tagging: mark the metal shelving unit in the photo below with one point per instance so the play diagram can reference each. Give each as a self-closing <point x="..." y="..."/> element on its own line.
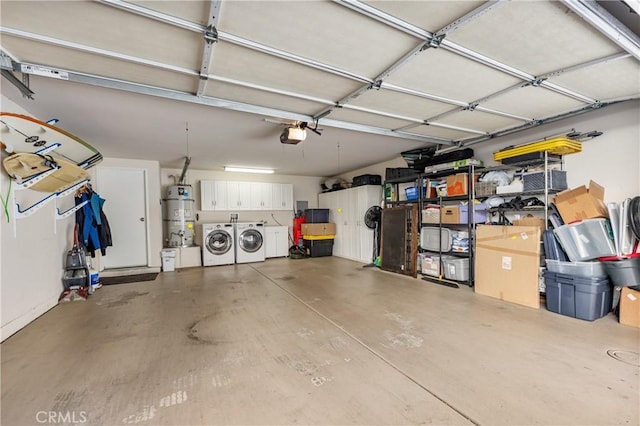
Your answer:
<point x="470" y="198"/>
<point x="545" y="162"/>
<point x="469" y="227"/>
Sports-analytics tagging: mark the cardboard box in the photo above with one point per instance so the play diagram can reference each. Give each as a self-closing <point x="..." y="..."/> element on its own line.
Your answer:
<point x="581" y="203"/>
<point x="457" y="184"/>
<point x="630" y="307"/>
<point x="506" y="263"/>
<point x="530" y="221"/>
<point x="450" y="214"/>
<point x="318" y="229"/>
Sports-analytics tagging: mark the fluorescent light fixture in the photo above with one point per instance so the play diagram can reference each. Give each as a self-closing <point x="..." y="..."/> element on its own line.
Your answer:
<point x="246" y="170"/>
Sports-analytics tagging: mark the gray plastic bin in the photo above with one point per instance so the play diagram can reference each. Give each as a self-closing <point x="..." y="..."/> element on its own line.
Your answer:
<point x="578" y="297"/>
<point x="624" y="273"/>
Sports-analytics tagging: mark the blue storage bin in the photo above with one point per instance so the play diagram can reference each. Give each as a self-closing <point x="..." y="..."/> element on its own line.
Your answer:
<point x="412" y="193"/>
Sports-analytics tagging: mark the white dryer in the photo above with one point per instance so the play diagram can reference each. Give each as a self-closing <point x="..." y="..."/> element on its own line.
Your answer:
<point x="250" y="245"/>
<point x="218" y="244"/>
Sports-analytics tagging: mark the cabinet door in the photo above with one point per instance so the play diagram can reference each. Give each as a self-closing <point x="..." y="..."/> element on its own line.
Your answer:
<point x="282" y="195"/>
<point x="239" y="195"/>
<point x="270" y="242"/>
<point x="261" y="196"/>
<point x="220" y="201"/>
<point x="287" y="196"/>
<point x="213" y="195"/>
<point x="206" y="194"/>
<point x="368" y="196"/>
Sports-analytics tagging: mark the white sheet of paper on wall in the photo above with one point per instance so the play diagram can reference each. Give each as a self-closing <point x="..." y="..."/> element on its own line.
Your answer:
<point x="506" y="262"/>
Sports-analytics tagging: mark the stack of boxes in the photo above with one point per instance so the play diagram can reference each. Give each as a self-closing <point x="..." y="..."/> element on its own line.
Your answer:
<point x="318" y="233"/>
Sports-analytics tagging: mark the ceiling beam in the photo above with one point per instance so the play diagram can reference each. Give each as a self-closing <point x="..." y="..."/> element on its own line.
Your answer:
<point x="377" y="82"/>
<point x="607" y="24"/>
<point x="468" y="18"/>
<point x="539" y="122"/>
<point x="379" y="79"/>
<point x="210" y="38"/>
<point x="408" y="28"/>
<point x="94" y="50"/>
<point x="112" y="83"/>
<point x="230" y="38"/>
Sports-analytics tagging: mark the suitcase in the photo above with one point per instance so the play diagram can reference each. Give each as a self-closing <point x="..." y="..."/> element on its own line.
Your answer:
<point x="419" y="161"/>
<point x="367" y="180"/>
<point x="552" y="248"/>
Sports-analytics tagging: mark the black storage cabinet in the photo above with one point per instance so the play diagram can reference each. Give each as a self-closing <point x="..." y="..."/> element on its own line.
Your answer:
<point x="316" y="215"/>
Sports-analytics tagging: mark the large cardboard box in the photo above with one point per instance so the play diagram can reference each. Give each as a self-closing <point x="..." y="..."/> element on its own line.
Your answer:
<point x="581" y="203"/>
<point x="506" y="263"/>
<point x="450" y="214"/>
<point x="630" y="307"/>
<point x="318" y="229"/>
<point x="457" y="184"/>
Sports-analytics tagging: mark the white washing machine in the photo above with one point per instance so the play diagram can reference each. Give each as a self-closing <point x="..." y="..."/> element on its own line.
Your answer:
<point x="218" y="247"/>
<point x="249" y="242"/>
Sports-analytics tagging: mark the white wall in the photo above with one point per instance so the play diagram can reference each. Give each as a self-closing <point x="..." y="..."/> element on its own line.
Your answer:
<point x="304" y="189"/>
<point x="154" y="207"/>
<point x="612" y="160"/>
<point x="33" y="259"/>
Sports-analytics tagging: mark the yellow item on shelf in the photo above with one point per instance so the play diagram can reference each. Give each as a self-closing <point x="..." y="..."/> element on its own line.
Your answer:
<point x="557" y="146"/>
<point x="318" y="237"/>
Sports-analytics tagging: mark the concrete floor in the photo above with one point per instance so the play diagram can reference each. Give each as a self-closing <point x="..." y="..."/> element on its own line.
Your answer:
<point x="315" y="341"/>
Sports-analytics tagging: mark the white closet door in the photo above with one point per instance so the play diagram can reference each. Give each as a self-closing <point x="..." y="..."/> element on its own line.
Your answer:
<point x="125" y="193"/>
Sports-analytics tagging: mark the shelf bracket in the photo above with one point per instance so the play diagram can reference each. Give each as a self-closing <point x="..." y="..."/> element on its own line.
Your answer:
<point x="20" y="213"/>
<point x="69" y="212"/>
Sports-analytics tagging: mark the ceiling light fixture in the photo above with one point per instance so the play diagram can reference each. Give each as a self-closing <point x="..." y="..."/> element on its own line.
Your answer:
<point x="246" y="170"/>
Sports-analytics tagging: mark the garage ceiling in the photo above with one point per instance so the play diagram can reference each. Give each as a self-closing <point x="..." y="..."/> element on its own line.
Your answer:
<point x="160" y="80"/>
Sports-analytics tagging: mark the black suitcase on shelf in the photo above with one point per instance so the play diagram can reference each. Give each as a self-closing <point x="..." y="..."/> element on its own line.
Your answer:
<point x="367" y="180"/>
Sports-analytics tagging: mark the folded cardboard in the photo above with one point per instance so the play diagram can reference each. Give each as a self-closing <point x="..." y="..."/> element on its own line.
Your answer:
<point x="506" y="263"/>
<point x="318" y="229"/>
<point x="457" y="184"/>
<point x="630" y="307"/>
<point x="581" y="203"/>
<point x="450" y="214"/>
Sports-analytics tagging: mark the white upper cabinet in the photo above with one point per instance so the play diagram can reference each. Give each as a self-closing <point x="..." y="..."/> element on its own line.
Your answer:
<point x="213" y="195"/>
<point x="261" y="196"/>
<point x="230" y="196"/>
<point x="282" y="196"/>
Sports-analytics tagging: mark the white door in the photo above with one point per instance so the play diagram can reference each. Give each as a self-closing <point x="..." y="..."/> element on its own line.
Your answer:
<point x="124" y="190"/>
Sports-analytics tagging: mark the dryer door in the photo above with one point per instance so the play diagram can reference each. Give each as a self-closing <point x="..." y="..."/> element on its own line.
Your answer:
<point x="250" y="240"/>
<point x="219" y="242"/>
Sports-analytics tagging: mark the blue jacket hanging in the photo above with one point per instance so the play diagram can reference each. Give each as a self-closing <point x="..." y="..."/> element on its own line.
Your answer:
<point x="93" y="225"/>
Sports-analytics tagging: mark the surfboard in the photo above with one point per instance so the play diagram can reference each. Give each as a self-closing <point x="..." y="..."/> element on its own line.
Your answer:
<point x="25" y="165"/>
<point x="21" y="133"/>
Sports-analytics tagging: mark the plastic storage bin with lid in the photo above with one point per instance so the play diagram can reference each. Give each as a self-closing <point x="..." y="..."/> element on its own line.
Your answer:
<point x="456" y="269"/>
<point x="578" y="297"/>
<point x="586" y="240"/>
